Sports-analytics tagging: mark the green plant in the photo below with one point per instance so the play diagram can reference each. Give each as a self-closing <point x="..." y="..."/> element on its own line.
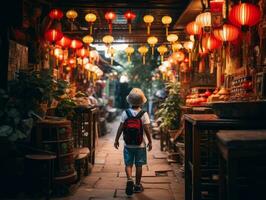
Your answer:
<point x="169" y="110"/>
<point x="65" y="108"/>
<point x="13" y="125"/>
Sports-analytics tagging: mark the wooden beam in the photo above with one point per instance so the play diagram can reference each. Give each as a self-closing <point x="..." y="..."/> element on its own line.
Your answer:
<point x="124" y="5"/>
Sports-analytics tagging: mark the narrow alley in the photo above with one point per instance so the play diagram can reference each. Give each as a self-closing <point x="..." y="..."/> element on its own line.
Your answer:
<point x="108" y="179"/>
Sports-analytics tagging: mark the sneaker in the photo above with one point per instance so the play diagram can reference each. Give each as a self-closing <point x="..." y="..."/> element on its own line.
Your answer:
<point x="129" y="188"/>
<point x="138" y="188"/>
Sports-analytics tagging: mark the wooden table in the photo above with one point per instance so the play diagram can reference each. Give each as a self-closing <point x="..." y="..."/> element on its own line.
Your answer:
<point x="242" y="164"/>
<point x="201" y="152"/>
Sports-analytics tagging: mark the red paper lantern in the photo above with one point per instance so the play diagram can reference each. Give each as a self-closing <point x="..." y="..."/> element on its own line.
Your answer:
<point x="53" y="35"/>
<point x="76" y="44"/>
<point x="227" y="33"/>
<point x="64" y="42"/>
<point x="245" y="14"/>
<point x="193" y="29"/>
<point x="130" y="16"/>
<point x="211" y="43"/>
<point x="110" y="16"/>
<point x="83" y="53"/>
<point x="56" y="14"/>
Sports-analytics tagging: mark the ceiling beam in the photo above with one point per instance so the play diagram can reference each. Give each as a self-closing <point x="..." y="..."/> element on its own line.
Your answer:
<point x="115" y="5"/>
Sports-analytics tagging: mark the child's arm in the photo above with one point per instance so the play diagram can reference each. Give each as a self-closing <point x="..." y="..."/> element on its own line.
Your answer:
<point x="118" y="134"/>
<point x="148" y="134"/>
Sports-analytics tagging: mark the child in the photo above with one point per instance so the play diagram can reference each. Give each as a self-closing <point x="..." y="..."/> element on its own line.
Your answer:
<point x="133" y="122"/>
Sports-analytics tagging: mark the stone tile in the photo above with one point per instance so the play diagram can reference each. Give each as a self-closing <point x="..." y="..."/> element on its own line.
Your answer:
<point x="97" y="168"/>
<point x="159" y="155"/>
<point x="154" y="180"/>
<point x="148" y="194"/>
<point x="104" y="174"/>
<point x="111" y="183"/>
<point x="144" y="174"/>
<point x="113" y="168"/>
<point x="100" y="160"/>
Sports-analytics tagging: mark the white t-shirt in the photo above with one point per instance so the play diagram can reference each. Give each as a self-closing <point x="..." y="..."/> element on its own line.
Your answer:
<point x="145" y="120"/>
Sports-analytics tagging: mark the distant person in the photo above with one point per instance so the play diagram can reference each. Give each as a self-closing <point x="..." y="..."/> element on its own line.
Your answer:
<point x="134" y="121"/>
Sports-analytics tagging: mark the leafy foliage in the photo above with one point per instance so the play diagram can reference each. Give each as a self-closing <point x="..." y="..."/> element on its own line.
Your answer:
<point x="140" y="75"/>
<point x="169" y="110"/>
<point x="25" y="96"/>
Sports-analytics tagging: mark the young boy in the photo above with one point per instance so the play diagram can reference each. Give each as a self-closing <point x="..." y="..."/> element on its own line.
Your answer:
<point x="135" y="145"/>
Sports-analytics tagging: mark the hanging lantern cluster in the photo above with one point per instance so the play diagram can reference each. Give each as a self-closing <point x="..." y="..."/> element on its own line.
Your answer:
<point x="56" y="14"/>
<point x="193" y="28"/>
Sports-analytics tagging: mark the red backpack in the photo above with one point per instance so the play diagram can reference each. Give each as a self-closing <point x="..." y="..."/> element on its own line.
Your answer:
<point x="133" y="128"/>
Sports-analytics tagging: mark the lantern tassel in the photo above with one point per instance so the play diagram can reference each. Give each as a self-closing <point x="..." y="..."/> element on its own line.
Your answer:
<point x="166" y="30"/>
<point x="143" y="59"/>
<point x="129" y="28"/>
<point x="110" y="28"/>
<point x="148" y="29"/>
<point x="152" y="50"/>
<point x="91" y="29"/>
<point x="161" y="58"/>
<point x="128" y="58"/>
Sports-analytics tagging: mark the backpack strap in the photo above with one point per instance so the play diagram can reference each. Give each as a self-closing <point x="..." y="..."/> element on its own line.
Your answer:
<point x="140" y="114"/>
<point x="129" y="114"/>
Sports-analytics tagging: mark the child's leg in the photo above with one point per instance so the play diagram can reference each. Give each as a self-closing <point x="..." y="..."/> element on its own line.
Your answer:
<point x="128" y="170"/>
<point x="138" y="174"/>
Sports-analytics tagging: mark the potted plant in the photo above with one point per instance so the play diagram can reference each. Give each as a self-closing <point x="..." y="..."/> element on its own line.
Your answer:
<point x="169" y="110"/>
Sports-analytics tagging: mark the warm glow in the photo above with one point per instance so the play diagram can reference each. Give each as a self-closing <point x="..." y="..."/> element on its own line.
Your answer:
<point x="56" y="14"/>
<point x="64" y="42"/>
<point x="152" y="40"/>
<point x="76" y="44"/>
<point x="108" y="39"/>
<point x="245" y="14"/>
<point x="227" y="33"/>
<point x="90" y="17"/>
<point x="53" y="35"/>
<point x="129" y="50"/>
<point x="148" y="19"/>
<point x="72" y="15"/>
<point x="188" y="45"/>
<point x="110" y="16"/>
<point x="83" y="52"/>
<point x="166" y="20"/>
<point x="193" y="28"/>
<point x="87" y="39"/>
<point x="143" y="50"/>
<point x="179" y="56"/>
<point x="58" y="52"/>
<point x="172" y="38"/>
<point x="162" y="49"/>
<point x="204" y="19"/>
<point x="176" y="46"/>
<point x="211" y="43"/>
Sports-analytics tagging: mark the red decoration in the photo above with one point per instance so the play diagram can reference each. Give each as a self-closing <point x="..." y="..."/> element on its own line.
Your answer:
<point x="76" y="44"/>
<point x="227" y="33"/>
<point x="193" y="29"/>
<point x="110" y="16"/>
<point x="211" y="43"/>
<point x="56" y="14"/>
<point x="216" y="6"/>
<point x="64" y="42"/>
<point x="130" y="16"/>
<point x="245" y="14"/>
<point x="53" y="35"/>
<point x="83" y="53"/>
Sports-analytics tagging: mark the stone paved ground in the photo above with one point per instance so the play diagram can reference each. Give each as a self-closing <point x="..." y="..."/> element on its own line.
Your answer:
<point x="107" y="180"/>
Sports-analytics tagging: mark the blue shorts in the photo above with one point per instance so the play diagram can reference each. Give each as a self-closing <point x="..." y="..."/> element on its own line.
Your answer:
<point x="135" y="155"/>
